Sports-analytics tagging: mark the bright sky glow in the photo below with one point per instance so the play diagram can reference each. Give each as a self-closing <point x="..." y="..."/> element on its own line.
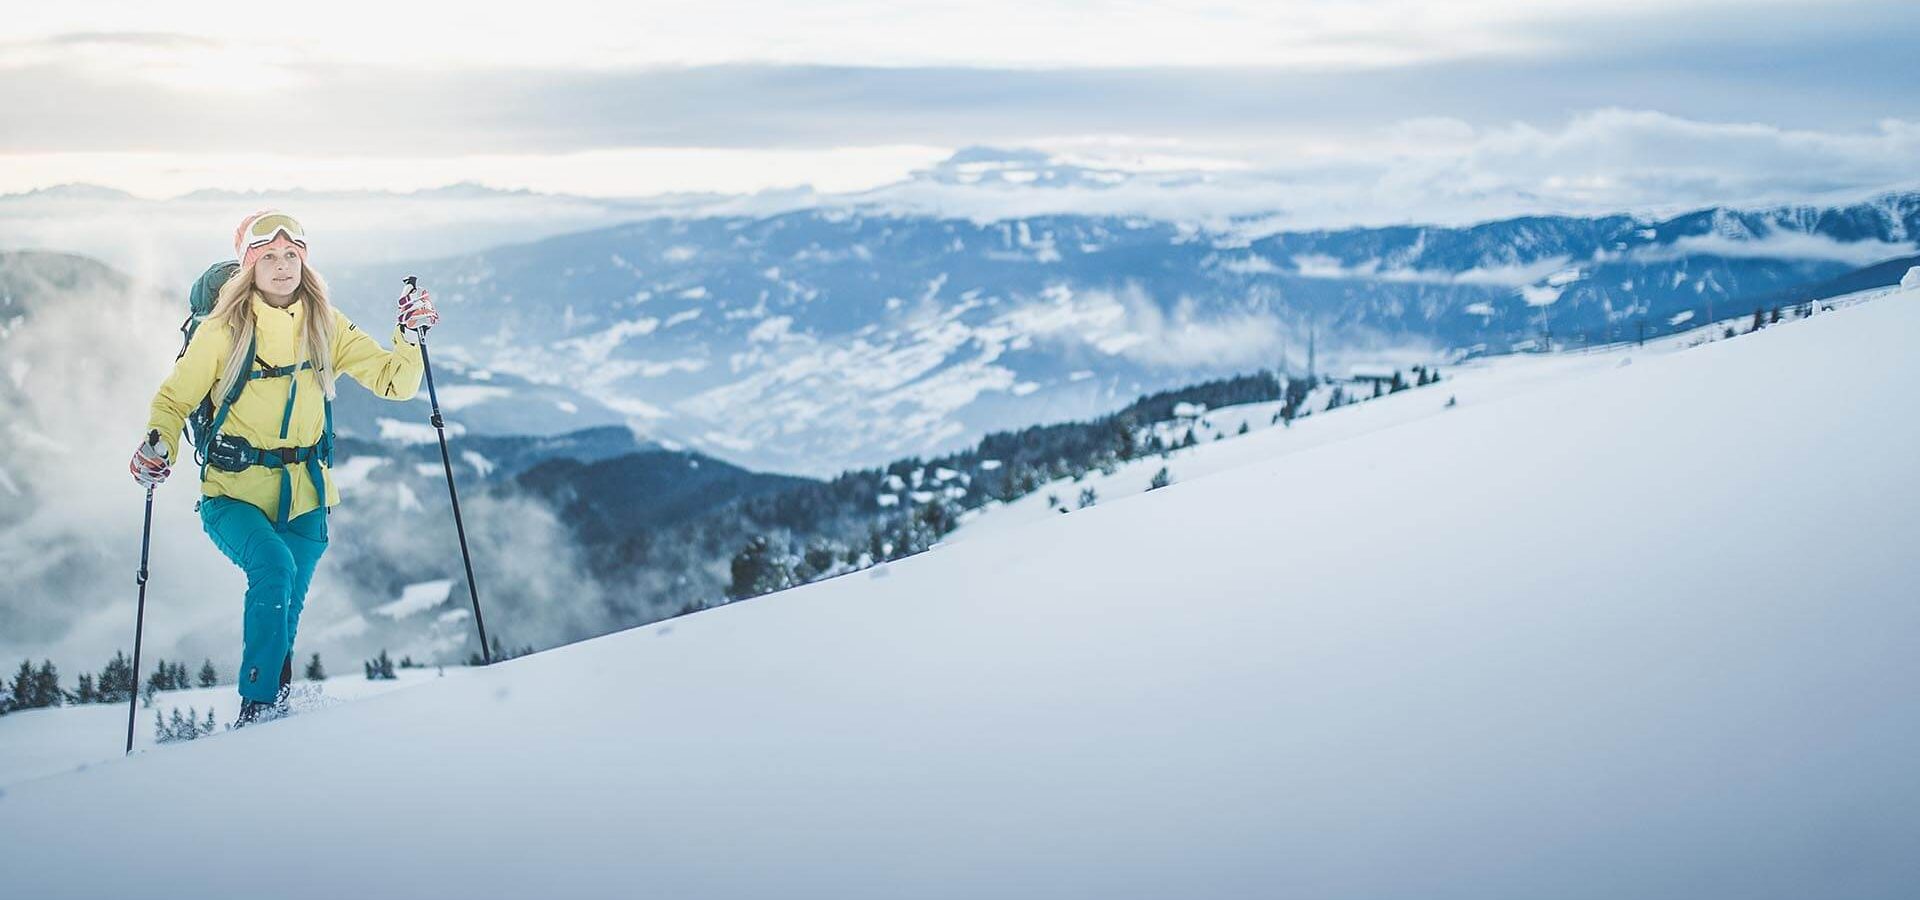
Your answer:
<point x="1015" y="33"/>
<point x="743" y="95"/>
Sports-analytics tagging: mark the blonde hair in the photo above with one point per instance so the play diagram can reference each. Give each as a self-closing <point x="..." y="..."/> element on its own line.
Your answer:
<point x="234" y="308"/>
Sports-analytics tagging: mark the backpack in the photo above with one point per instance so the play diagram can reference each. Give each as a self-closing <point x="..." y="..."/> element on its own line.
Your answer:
<point x="233" y="453"/>
<point x="200" y="299"/>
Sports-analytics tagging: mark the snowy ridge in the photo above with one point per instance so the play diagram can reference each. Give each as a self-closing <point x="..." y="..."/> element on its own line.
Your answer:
<point x="1645" y="633"/>
<point x="791" y="335"/>
<point x="1233" y="436"/>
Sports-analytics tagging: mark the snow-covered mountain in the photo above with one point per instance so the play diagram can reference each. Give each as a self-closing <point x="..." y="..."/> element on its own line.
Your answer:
<point x="1647" y="632"/>
<point x="825" y="339"/>
<point x="811" y="332"/>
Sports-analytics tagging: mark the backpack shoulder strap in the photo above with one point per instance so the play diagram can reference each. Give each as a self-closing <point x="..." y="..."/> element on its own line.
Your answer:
<point x="226" y="405"/>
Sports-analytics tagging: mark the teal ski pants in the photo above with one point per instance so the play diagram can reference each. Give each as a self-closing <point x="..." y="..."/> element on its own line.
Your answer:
<point x="279" y="561"/>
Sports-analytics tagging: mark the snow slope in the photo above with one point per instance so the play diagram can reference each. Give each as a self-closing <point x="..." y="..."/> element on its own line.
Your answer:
<point x="35" y="743"/>
<point x="1647" y="633"/>
<point x="1473" y="382"/>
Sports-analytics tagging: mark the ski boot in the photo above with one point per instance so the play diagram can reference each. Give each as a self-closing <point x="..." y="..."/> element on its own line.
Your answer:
<point x="282" y="697"/>
<point x="253" y="712"/>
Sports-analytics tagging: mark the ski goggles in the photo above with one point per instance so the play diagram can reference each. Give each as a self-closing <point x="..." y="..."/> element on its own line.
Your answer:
<point x="264" y="229"/>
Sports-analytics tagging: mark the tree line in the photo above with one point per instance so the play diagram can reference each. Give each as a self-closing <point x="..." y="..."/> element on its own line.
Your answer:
<point x="39" y="687"/>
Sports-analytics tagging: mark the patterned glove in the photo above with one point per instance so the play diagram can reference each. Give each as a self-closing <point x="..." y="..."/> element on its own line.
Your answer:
<point x="417" y="312"/>
<point x="149" y="465"/>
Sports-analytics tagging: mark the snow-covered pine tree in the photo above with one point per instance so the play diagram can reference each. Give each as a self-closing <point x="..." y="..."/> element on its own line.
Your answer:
<point x="316" y="671"/>
<point x="759" y="568"/>
<point x="208" y="677"/>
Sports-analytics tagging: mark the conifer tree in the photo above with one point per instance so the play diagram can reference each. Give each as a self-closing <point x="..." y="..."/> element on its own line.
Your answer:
<point x="22" y="686"/>
<point x="208" y="677"/>
<point x="115" y="684"/>
<point x="316" y="671"/>
<point x="1160" y="479"/>
<point x="46" y="685"/>
<point x="753" y="569"/>
<point x="1337" y="399"/>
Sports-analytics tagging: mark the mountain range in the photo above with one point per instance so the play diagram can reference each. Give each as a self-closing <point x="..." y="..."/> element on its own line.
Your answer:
<point x="829" y="338"/>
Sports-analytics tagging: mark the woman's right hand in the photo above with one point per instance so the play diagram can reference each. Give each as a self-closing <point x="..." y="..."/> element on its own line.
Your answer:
<point x="149" y="465"/>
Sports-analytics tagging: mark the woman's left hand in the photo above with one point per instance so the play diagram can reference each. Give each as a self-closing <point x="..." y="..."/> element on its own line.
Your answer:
<point x="417" y="312"/>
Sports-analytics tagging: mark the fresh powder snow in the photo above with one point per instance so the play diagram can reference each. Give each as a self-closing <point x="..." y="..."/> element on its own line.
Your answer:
<point x="1646" y="632"/>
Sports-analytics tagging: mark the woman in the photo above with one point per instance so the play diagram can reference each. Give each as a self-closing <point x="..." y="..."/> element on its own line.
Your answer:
<point x="274" y="337"/>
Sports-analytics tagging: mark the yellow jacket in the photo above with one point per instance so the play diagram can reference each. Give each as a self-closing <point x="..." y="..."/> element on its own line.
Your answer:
<point x="390" y="374"/>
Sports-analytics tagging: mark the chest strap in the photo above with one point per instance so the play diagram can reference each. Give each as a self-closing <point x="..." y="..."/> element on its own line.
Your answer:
<point x="283" y="458"/>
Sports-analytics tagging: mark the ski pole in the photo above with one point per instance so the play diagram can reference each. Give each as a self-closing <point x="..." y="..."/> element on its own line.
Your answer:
<point x="140" y="614"/>
<point x="439" y="427"/>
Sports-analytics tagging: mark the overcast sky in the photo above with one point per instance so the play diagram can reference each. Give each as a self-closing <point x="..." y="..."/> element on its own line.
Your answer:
<point x="1610" y="102"/>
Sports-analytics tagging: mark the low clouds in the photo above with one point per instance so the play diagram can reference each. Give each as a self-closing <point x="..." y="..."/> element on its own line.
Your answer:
<point x="1638" y="158"/>
<point x="1128" y="323"/>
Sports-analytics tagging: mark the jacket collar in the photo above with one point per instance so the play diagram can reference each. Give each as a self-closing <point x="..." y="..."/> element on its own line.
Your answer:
<point x="296" y="314"/>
